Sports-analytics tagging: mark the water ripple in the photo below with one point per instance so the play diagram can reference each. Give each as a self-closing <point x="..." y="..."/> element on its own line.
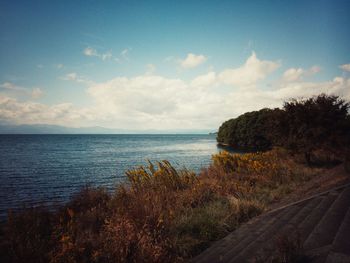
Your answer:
<point x="36" y="169"/>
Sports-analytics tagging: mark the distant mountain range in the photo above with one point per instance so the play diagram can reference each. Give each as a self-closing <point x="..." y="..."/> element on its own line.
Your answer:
<point x="57" y="129"/>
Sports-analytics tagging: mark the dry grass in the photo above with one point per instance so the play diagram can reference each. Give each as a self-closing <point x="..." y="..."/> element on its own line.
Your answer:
<point x="159" y="214"/>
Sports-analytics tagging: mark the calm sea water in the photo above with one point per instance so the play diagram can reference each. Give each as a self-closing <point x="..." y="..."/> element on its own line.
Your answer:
<point x="48" y="169"/>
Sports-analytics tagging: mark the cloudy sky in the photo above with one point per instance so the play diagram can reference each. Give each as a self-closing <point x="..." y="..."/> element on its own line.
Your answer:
<point x="166" y="64"/>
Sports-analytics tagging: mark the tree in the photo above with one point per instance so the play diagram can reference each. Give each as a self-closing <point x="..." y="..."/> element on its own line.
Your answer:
<point x="250" y="131"/>
<point x="317" y="123"/>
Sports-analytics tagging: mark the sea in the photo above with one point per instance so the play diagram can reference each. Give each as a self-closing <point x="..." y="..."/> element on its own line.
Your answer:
<point x="49" y="169"/>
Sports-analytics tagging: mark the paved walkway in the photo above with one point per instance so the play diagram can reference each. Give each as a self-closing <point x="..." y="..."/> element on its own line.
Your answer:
<point x="321" y="225"/>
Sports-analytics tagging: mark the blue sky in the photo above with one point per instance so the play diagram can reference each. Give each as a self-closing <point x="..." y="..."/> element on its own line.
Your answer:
<point x="133" y="64"/>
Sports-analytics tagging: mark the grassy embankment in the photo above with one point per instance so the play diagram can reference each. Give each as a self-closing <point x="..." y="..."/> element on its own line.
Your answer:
<point x="159" y="214"/>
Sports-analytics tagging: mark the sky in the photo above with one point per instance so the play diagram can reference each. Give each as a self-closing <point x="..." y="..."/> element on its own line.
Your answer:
<point x="166" y="64"/>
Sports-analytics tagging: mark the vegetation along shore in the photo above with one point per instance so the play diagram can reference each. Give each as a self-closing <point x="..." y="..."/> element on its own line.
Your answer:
<point x="163" y="214"/>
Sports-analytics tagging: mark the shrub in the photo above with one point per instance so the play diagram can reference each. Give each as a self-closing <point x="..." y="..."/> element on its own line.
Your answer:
<point x="311" y="126"/>
<point x="316" y="123"/>
<point x="160" y="214"/>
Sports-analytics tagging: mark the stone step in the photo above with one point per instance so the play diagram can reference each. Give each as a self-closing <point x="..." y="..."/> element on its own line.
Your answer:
<point x="320" y="223"/>
<point x="342" y="239"/>
<point x="213" y="253"/>
<point x="267" y="241"/>
<point x="324" y="232"/>
<point x="338" y="258"/>
<point x="305" y="228"/>
<point x="272" y="228"/>
<point x="225" y="242"/>
<point x="340" y="251"/>
<point x="264" y="246"/>
<point x="318" y="255"/>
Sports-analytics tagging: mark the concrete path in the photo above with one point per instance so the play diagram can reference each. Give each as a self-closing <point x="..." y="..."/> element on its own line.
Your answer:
<point x="319" y="224"/>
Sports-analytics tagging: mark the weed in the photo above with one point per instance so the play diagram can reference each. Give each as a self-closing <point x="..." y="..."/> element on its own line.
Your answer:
<point x="159" y="214"/>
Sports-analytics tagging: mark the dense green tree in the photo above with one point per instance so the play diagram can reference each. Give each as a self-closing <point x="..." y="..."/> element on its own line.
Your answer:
<point x="317" y="123"/>
<point x="303" y="126"/>
<point x="250" y="131"/>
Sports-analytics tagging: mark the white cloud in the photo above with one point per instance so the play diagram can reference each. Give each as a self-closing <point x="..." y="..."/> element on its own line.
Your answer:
<point x="293" y="74"/>
<point x="36" y="93"/>
<point x="345" y="67"/>
<point x="59" y="66"/>
<point x="125" y="54"/>
<point x="73" y="76"/>
<point x="154" y="102"/>
<point x="150" y="69"/>
<point x="314" y="70"/>
<point x="205" y="80"/>
<point x="142" y="94"/>
<point x="165" y="103"/>
<point x="70" y="76"/>
<point x="106" y="56"/>
<point x="297" y="74"/>
<point x="338" y="86"/>
<point x="91" y="52"/>
<point x="192" y="61"/>
<point x="28" y="112"/>
<point x="150" y="101"/>
<point x="11" y="86"/>
<point x="250" y="73"/>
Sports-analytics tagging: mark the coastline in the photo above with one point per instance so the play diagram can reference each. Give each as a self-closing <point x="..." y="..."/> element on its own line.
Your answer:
<point x="178" y="211"/>
<point x="50" y="168"/>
